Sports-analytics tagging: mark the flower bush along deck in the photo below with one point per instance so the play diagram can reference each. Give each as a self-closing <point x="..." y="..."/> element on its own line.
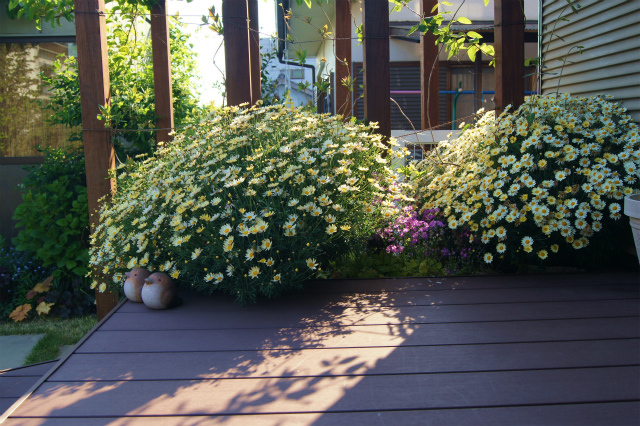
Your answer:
<point x="251" y="202"/>
<point x="538" y="181"/>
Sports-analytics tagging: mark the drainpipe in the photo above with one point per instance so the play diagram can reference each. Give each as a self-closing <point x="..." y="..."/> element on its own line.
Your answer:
<point x="540" y="49"/>
<point x="455" y="102"/>
<point x="282" y="36"/>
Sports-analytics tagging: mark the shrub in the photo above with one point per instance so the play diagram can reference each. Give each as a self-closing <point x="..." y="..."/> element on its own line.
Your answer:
<point x="28" y="289"/>
<point x="542" y="180"/>
<point x="54" y="214"/>
<point x="251" y="203"/>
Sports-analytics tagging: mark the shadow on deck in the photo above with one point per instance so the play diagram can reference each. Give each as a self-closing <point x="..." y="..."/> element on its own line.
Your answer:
<point x="546" y="349"/>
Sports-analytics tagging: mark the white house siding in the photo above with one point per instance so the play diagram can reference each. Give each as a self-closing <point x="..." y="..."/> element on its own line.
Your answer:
<point x="610" y="59"/>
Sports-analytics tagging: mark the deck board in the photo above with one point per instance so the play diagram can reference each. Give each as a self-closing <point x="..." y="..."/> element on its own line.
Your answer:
<point x="380" y="315"/>
<point x="553" y="349"/>
<point x="460" y="296"/>
<point x="334" y="361"/>
<point x="610" y="414"/>
<point x="311" y="394"/>
<point x="360" y="336"/>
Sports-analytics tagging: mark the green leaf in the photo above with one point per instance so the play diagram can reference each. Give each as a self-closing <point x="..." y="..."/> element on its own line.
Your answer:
<point x="530" y="118"/>
<point x="471" y="52"/>
<point x="464" y="20"/>
<point x="62" y="222"/>
<point x="473" y="34"/>
<point x="488" y="49"/>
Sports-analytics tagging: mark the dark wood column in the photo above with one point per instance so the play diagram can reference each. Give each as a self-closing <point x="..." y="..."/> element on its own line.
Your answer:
<point x="509" y="50"/>
<point x="162" y="70"/>
<point x="254" y="51"/>
<point x="429" y="74"/>
<point x="93" y="73"/>
<point x="236" y="51"/>
<point x="343" y="96"/>
<point x="377" y="84"/>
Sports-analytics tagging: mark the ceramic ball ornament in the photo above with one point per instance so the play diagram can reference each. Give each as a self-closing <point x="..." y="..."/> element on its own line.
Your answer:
<point x="134" y="283"/>
<point x="159" y="291"/>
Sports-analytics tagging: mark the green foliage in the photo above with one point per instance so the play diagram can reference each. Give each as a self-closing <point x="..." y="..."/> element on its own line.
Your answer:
<point x="29" y="288"/>
<point x="541" y="182"/>
<point x="382" y="264"/>
<point x="39" y="11"/>
<point x="268" y="86"/>
<point x="454" y="41"/>
<point x="52" y="11"/>
<point x="132" y="91"/>
<point x="54" y="214"/>
<point x="251" y="203"/>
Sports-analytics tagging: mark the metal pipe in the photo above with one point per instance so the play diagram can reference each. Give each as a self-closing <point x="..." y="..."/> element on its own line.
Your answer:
<point x="282" y="37"/>
<point x="455" y="102"/>
<point x="453" y="92"/>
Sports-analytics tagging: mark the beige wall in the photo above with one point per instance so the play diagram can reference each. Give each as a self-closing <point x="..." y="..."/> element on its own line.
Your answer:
<point x="610" y="58"/>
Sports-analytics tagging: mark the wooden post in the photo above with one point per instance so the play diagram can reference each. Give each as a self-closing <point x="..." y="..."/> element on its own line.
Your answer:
<point x="162" y="70"/>
<point x="429" y="74"/>
<point x="509" y="40"/>
<point x="343" y="94"/>
<point x="236" y="51"/>
<point x="377" y="77"/>
<point x="93" y="73"/>
<point x="477" y="82"/>
<point x="254" y="51"/>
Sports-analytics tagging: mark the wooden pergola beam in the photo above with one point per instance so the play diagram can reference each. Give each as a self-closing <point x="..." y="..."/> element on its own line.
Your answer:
<point x="235" y="16"/>
<point x="162" y="70"/>
<point x="429" y="74"/>
<point x="254" y="51"/>
<point x="377" y="76"/>
<point x="509" y="51"/>
<point x="343" y="94"/>
<point x="93" y="73"/>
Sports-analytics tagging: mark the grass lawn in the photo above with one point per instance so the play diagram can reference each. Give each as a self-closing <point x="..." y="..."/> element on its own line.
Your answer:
<point x="57" y="332"/>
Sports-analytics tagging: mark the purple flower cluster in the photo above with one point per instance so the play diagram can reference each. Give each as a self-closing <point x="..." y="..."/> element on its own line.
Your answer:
<point x="424" y="235"/>
<point x="410" y="229"/>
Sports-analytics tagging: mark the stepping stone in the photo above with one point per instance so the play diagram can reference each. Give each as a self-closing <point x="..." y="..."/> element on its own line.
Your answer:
<point x="14" y="349"/>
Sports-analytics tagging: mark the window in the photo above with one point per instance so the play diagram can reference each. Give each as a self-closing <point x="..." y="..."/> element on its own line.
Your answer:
<point x="405" y="78"/>
<point x="296" y="74"/>
<point x="23" y="122"/>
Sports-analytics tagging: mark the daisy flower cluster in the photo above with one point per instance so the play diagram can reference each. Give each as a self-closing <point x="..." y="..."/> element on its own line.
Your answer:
<point x="250" y="202"/>
<point x="537" y="181"/>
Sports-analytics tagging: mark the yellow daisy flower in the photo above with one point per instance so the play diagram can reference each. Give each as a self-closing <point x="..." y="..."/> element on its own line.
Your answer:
<point x="254" y="272"/>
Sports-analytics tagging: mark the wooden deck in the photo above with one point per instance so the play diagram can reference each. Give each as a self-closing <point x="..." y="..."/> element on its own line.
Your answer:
<point x="14" y="382"/>
<point x="514" y="350"/>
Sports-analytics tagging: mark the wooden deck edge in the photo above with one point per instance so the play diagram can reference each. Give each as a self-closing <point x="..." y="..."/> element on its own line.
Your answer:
<point x="7" y="370"/>
<point x="61" y="361"/>
<point x="487" y="275"/>
<point x="321" y="285"/>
